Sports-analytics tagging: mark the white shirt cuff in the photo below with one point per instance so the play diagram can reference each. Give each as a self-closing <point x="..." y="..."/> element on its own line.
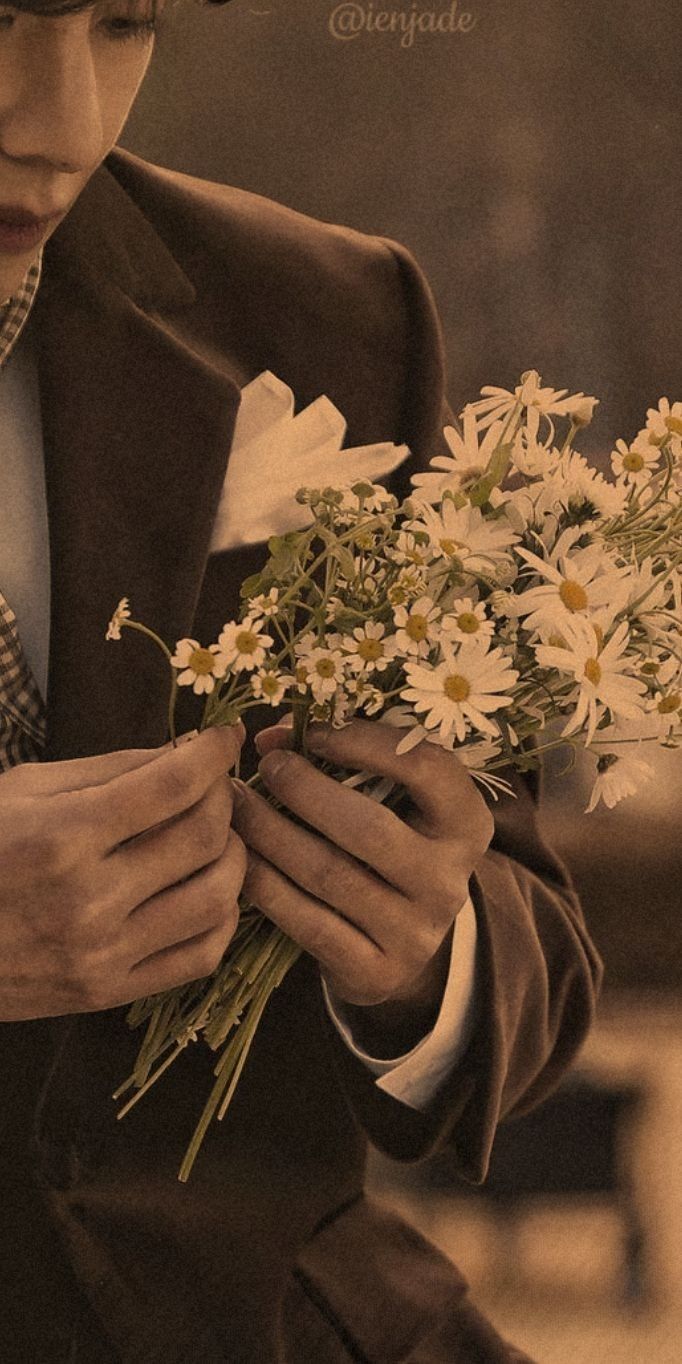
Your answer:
<point x="415" y="1077"/>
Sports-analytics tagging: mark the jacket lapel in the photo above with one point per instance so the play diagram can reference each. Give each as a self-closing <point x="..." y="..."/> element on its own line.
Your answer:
<point x="137" y="426"/>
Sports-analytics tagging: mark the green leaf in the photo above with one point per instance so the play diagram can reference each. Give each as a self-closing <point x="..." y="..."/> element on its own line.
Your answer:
<point x="251" y="586"/>
<point x="496" y="472"/>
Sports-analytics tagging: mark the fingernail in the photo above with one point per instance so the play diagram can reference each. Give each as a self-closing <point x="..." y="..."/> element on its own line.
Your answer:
<point x="271" y="730"/>
<point x="185" y="738"/>
<point x="179" y="740"/>
<point x="273" y="763"/>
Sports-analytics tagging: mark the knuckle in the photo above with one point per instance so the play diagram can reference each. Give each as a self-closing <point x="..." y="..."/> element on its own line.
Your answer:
<point x="89" y="980"/>
<point x="441" y="892"/>
<point x="174" y="785"/>
<point x="210" y="835"/>
<point x="209" y="954"/>
<point x="333" y="879"/>
<point x="49" y="852"/>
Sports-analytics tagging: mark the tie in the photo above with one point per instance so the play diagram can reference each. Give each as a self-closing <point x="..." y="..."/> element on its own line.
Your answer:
<point x="22" y="712"/>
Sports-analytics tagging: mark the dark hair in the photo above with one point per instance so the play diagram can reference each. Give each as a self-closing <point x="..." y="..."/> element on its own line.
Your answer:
<point x="55" y="8"/>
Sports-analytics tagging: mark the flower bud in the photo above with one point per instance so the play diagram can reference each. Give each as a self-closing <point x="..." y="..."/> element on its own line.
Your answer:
<point x="583" y="411"/>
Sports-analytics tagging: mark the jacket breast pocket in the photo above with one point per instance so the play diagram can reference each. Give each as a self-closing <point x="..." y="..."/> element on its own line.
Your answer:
<point x="366" y="1289"/>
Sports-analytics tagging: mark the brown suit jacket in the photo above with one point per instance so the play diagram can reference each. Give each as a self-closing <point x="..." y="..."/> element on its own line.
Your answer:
<point x="161" y="296"/>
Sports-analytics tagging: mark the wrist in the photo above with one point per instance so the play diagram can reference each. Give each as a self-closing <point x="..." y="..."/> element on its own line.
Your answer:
<point x="395" y="1026"/>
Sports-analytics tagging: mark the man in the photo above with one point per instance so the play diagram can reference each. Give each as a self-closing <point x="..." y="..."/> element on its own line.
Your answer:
<point x="160" y="298"/>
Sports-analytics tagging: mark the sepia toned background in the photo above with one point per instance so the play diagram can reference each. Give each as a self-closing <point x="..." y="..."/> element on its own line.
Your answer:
<point x="532" y="163"/>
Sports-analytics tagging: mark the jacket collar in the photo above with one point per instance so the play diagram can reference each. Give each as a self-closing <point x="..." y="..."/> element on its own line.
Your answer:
<point x="137" y="425"/>
<point x="106" y="244"/>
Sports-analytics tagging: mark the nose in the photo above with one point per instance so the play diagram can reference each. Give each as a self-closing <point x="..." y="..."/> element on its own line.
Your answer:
<point x="54" y="111"/>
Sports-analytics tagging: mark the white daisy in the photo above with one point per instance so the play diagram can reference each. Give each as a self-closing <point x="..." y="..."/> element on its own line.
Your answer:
<point x="666" y="705"/>
<point x="618" y="776"/>
<point x="467" y="463"/>
<point x="577" y="582"/>
<point x="634" y="463"/>
<point x="664" y="423"/>
<point x="417" y="627"/>
<point x="368" y="648"/>
<point x="463" y="535"/>
<point x="462" y="690"/>
<point x="532" y="457"/>
<point x="648" y="594"/>
<point x="575" y="484"/>
<point x="367" y="698"/>
<point x="411" y="549"/>
<point x="362" y="496"/>
<point x="467" y="618"/>
<point x="270" y="687"/>
<point x="243" y="644"/>
<point x="198" y="667"/>
<point x="266" y="604"/>
<point x="408" y="585"/>
<point x="322" y="670"/>
<point x="598" y="671"/>
<point x="121" y="613"/>
<point x="496" y="403"/>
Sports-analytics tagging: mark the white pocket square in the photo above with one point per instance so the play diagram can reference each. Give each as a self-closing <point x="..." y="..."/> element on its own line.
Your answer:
<point x="274" y="453"/>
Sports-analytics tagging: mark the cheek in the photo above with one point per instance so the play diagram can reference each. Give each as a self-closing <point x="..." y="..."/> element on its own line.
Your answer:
<point x="120" y="81"/>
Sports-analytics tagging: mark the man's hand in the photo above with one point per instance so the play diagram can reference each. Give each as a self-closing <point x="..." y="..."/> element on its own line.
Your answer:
<point x="120" y="875"/>
<point x="372" y="897"/>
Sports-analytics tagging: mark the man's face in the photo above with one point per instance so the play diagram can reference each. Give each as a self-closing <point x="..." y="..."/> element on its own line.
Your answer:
<point x="66" y="87"/>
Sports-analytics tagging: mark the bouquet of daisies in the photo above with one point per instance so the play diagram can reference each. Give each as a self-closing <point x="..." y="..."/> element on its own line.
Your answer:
<point x="517" y="601"/>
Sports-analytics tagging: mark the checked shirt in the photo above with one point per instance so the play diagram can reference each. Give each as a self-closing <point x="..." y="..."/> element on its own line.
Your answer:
<point x="22" y="711"/>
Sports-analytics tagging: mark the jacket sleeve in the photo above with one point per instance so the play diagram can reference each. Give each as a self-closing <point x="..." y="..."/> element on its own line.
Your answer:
<point x="538" y="972"/>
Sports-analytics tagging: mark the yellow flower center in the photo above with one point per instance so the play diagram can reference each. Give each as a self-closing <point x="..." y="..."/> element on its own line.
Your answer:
<point x="593" y="671"/>
<point x="674" y="425"/>
<point x="397" y="595"/>
<point x="370" y="650"/>
<point x="650" y="669"/>
<point x="573" y="595"/>
<point x="270" y="685"/>
<point x="633" y="462"/>
<point x="325" y="667"/>
<point x="468" y="622"/>
<point x="557" y="642"/>
<point x="449" y="546"/>
<point x="656" y="439"/>
<point x="202" y="662"/>
<point x="670" y="703"/>
<point x="417" y="627"/>
<point x="246" y="642"/>
<point x="456" y="688"/>
<point x="471" y="472"/>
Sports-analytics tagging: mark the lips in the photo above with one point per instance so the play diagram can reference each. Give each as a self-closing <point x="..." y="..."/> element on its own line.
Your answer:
<point x="22" y="230"/>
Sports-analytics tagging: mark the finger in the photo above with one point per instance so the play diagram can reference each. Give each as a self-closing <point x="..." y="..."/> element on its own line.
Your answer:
<point x="345" y="952"/>
<point x="80" y="774"/>
<point x="137" y="801"/>
<point x="172" y="851"/>
<point x="437" y="782"/>
<point x="206" y="902"/>
<point x="352" y="821"/>
<point x="280" y="735"/>
<point x="193" y="960"/>
<point x="319" y="867"/>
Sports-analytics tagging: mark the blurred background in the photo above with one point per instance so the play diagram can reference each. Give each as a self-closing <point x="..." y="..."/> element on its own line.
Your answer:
<point x="529" y="155"/>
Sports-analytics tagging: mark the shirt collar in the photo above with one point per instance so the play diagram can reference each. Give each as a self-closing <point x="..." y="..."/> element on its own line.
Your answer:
<point x="15" y="314"/>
